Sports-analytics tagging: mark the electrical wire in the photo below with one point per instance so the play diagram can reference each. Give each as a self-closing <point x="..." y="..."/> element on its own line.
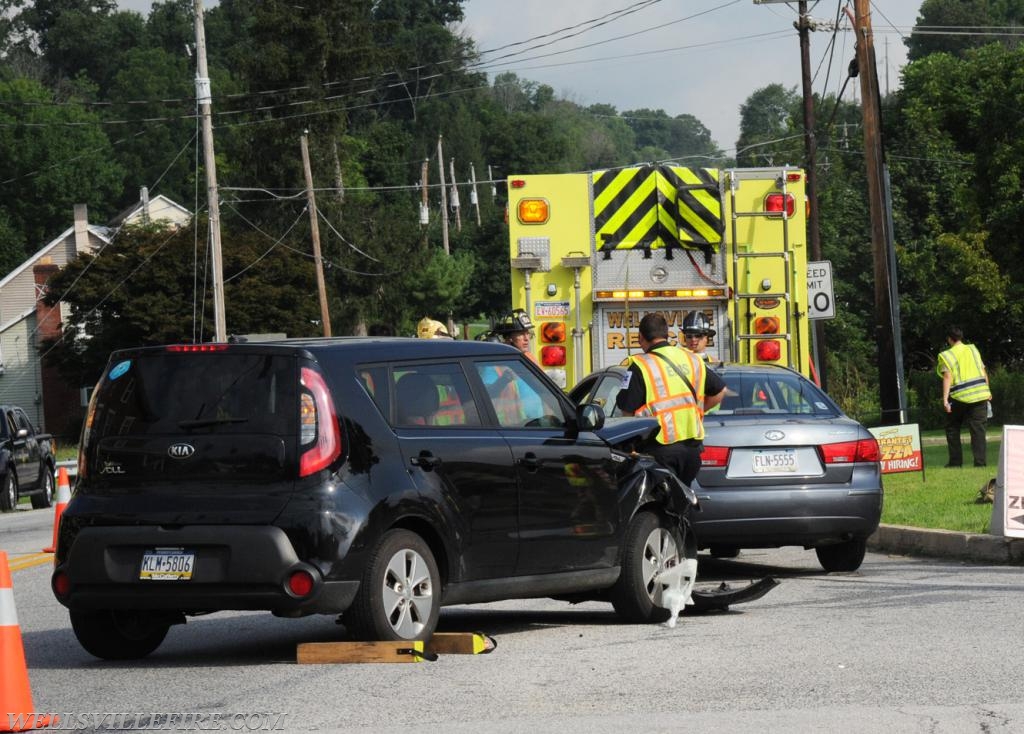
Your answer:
<point x="269" y="249"/>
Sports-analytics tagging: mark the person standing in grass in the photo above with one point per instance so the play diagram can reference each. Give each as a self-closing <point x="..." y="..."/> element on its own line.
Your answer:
<point x="965" y="396"/>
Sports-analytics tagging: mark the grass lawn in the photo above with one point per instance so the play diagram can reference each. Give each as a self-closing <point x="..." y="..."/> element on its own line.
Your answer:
<point x="945" y="498"/>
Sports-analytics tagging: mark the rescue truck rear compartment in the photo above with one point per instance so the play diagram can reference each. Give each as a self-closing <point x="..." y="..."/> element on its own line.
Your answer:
<point x="592" y="253"/>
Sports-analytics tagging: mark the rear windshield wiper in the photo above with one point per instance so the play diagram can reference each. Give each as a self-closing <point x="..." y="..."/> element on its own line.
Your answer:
<point x="204" y="422"/>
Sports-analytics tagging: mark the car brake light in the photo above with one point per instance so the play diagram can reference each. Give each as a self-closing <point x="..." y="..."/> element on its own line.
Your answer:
<point x="318" y="424"/>
<point x="848" y="452"/>
<point x="552" y="356"/>
<point x="532" y="211"/>
<point x="773" y="204"/>
<point x="715" y="456"/>
<point x="197" y="348"/>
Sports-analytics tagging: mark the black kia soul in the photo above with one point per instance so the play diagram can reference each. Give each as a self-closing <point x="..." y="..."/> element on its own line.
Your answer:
<point x="375" y="478"/>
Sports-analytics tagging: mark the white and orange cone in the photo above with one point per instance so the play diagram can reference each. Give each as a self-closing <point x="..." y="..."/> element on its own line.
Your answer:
<point x="16" y="710"/>
<point x="63" y="497"/>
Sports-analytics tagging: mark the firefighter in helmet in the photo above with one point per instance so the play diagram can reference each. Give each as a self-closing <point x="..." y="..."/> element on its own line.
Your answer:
<point x="516" y="329"/>
<point x="427" y="328"/>
<point x="696" y="331"/>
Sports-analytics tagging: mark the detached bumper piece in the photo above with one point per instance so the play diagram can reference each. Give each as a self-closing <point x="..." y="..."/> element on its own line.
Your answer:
<point x="724" y="596"/>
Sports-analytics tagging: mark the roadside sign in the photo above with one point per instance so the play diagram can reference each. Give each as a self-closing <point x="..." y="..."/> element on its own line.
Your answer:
<point x="899" y="448"/>
<point x="820" y="303"/>
<point x="1009" y="499"/>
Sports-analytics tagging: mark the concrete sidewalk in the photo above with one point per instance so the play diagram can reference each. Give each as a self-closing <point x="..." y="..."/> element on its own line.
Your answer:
<point x="973" y="547"/>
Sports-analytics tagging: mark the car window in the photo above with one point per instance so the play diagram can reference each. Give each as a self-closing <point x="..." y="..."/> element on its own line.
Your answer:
<point x="519" y="398"/>
<point x="22" y="420"/>
<point x="605" y="394"/>
<point x="432" y="395"/>
<point x="779" y="392"/>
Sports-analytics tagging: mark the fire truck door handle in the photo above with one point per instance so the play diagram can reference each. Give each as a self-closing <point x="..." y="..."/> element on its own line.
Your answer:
<point x="425" y="461"/>
<point x="529" y="462"/>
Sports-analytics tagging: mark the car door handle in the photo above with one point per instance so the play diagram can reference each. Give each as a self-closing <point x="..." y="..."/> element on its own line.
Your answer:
<point x="425" y="461"/>
<point x="530" y="462"/>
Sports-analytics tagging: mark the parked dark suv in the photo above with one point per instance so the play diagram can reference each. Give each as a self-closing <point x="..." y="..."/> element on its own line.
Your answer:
<point x="375" y="478"/>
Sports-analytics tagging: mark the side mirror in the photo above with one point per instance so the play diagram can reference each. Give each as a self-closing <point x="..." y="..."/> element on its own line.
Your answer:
<point x="22" y="432"/>
<point x="590" y="417"/>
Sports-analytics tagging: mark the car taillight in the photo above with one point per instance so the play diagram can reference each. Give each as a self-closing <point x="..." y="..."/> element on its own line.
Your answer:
<point x="61" y="584"/>
<point x="715" y="456"/>
<point x="849" y="452"/>
<point x="552" y="356"/>
<point x="318" y="424"/>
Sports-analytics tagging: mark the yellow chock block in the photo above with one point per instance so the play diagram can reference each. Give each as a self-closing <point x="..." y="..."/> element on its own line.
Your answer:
<point x="460" y="643"/>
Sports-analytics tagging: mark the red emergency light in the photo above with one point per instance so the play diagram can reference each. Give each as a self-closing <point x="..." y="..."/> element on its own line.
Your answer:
<point x="773" y="204"/>
<point x="552" y="356"/>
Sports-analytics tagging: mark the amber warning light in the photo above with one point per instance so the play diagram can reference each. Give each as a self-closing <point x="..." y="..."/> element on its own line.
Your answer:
<point x="533" y="211"/>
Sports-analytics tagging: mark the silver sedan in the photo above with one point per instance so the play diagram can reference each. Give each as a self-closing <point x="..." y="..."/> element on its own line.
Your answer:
<point x="782" y="465"/>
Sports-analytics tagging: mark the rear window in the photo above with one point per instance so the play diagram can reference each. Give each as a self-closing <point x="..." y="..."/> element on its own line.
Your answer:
<point x="167" y="393"/>
<point x="774" y="393"/>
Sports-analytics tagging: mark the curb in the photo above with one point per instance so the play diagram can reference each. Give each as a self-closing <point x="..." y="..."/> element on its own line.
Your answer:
<point x="976" y="547"/>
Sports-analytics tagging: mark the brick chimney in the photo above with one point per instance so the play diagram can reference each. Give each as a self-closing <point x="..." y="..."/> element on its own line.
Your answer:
<point x="81" y="229"/>
<point x="62" y="409"/>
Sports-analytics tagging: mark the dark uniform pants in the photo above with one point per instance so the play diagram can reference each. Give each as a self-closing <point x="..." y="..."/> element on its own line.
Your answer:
<point x="976" y="415"/>
<point x="683" y="458"/>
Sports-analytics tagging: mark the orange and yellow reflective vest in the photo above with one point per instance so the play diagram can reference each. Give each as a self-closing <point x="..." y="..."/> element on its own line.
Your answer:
<point x="679" y="411"/>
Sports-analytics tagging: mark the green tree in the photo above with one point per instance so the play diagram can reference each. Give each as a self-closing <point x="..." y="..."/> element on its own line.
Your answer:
<point x="52" y="156"/>
<point x="771" y="128"/>
<point x="142" y="289"/>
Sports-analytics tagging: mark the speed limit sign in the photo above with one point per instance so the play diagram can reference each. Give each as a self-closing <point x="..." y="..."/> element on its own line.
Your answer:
<point x="820" y="303"/>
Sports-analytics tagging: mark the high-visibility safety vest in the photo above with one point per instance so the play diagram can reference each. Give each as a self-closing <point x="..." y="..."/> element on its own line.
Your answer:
<point x="963" y="362"/>
<point x="679" y="411"/>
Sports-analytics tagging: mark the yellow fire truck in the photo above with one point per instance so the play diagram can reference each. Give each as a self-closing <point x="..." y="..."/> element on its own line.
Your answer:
<point x="592" y="253"/>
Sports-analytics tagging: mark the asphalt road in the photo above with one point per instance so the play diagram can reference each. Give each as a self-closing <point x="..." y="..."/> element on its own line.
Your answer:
<point x="903" y="645"/>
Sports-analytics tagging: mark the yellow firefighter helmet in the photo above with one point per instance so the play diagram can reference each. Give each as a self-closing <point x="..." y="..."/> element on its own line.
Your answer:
<point x="427" y="328"/>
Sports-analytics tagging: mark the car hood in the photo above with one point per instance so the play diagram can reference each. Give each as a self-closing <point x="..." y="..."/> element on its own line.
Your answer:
<point x="627" y="432"/>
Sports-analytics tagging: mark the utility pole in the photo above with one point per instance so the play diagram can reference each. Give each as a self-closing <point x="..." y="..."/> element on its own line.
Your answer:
<point x="424" y="199"/>
<point x="890" y="368"/>
<point x="203" y="97"/>
<point x="803" y="25"/>
<point x="444" y="199"/>
<point x="314" y="227"/>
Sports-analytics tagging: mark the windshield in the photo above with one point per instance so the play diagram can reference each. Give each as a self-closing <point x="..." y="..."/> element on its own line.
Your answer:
<point x="158" y="393"/>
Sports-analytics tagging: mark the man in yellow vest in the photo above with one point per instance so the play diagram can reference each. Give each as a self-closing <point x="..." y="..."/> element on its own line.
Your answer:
<point x="673" y="385"/>
<point x="965" y="395"/>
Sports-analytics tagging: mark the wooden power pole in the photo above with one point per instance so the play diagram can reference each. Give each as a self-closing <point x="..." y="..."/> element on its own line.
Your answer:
<point x="204" y="98"/>
<point x="890" y="371"/>
<point x="811" y="153"/>
<point x="314" y="227"/>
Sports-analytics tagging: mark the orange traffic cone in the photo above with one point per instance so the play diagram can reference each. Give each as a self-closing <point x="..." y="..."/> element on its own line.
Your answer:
<point x="63" y="497"/>
<point x="16" y="711"/>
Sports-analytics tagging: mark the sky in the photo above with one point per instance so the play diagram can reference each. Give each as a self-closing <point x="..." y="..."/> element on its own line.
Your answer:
<point x="697" y="57"/>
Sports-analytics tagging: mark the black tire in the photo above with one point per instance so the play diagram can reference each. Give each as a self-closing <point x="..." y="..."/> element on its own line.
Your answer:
<point x="651" y="545"/>
<point x="842" y="556"/>
<point x="724" y="551"/>
<point x="119" y="635"/>
<point x="45" y="498"/>
<point x="399" y="595"/>
<point x="9" y="492"/>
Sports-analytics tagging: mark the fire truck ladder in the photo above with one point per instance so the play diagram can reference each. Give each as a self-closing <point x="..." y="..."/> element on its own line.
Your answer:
<point x="743" y="331"/>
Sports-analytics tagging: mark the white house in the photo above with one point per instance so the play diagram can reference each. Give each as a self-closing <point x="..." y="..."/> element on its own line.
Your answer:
<point x="25" y="322"/>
